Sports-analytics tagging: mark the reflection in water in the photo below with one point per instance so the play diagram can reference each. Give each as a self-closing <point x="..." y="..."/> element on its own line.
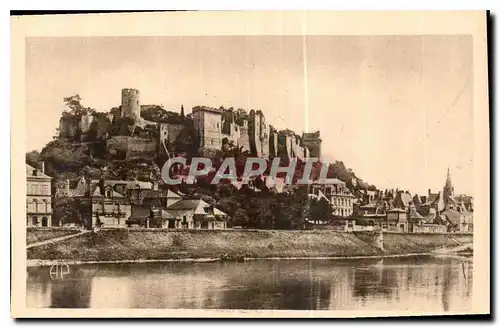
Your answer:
<point x="419" y="283"/>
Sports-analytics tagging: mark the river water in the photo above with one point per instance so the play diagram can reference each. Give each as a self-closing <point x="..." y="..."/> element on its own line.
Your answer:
<point x="415" y="283"/>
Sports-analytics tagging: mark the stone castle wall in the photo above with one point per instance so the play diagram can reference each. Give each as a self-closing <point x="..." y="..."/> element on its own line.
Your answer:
<point x="208" y="125"/>
<point x="244" y="138"/>
<point x="313" y="143"/>
<point x="70" y="126"/>
<point x="132" y="147"/>
<point x="273" y="143"/>
<point x="85" y="122"/>
<point x="67" y="127"/>
<point x="170" y="132"/>
<point x="285" y="145"/>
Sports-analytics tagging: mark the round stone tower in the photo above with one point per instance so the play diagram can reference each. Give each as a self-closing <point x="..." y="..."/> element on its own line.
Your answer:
<point x="131" y="105"/>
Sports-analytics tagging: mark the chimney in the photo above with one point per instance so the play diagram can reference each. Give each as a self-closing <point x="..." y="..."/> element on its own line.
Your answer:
<point x="429" y="194"/>
<point x="43" y="167"/>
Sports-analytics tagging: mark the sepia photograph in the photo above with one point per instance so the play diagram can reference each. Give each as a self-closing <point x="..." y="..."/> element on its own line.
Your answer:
<point x="250" y="164"/>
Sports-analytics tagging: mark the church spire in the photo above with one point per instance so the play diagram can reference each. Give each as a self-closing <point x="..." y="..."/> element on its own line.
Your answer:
<point x="448" y="187"/>
<point x="448" y="183"/>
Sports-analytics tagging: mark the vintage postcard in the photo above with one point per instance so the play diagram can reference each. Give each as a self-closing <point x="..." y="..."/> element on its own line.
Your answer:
<point x="250" y="164"/>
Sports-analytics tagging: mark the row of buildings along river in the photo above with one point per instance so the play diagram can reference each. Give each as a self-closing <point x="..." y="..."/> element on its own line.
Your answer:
<point x="121" y="203"/>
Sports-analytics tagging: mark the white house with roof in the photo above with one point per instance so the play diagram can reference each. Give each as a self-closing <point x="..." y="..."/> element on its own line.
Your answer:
<point x="335" y="190"/>
<point x="194" y="214"/>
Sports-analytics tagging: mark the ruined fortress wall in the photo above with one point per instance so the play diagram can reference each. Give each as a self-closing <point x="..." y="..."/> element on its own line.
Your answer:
<point x="313" y="142"/>
<point x="284" y="145"/>
<point x="133" y="147"/>
<point x="273" y="143"/>
<point x="85" y="122"/>
<point x="131" y="105"/>
<point x="67" y="127"/>
<point x="232" y="132"/>
<point x="264" y="137"/>
<point x="208" y="125"/>
<point x="258" y="132"/>
<point x="297" y="149"/>
<point x="244" y="138"/>
<point x="254" y="134"/>
<point x="306" y="152"/>
<point x="265" y="146"/>
<point x="170" y="132"/>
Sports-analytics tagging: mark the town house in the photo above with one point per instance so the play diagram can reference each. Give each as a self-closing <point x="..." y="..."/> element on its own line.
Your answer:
<point x="38" y="197"/>
<point x="339" y="196"/>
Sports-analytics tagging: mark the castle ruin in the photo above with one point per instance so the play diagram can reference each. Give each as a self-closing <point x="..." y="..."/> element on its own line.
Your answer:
<point x="214" y="129"/>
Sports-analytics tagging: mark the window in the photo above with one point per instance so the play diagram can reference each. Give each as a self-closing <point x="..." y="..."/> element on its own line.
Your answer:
<point x="32" y="206"/>
<point x="34" y="221"/>
<point x="33" y="189"/>
<point x="108" y="193"/>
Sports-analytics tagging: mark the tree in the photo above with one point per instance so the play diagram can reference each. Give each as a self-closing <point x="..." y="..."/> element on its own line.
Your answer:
<point x="66" y="211"/>
<point x="33" y="158"/>
<point x="240" y="218"/>
<point x="320" y="210"/>
<point x="75" y="106"/>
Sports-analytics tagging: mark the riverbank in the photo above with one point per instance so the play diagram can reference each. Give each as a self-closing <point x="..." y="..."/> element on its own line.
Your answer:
<point x="36" y="235"/>
<point x="48" y="263"/>
<point x="208" y="245"/>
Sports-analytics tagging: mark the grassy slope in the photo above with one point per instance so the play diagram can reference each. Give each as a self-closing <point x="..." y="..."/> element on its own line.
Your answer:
<point x="132" y="245"/>
<point x="36" y="235"/>
<point x="421" y="243"/>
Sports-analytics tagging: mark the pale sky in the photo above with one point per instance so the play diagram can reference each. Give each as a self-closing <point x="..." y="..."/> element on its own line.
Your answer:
<point x="395" y="109"/>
